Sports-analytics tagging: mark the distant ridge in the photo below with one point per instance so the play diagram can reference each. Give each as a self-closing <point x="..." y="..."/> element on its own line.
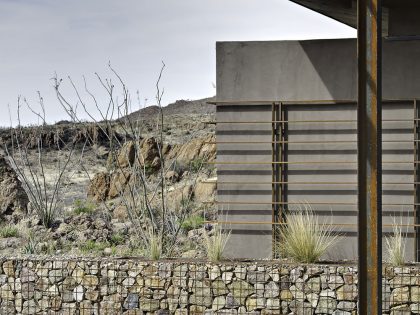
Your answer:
<point x="180" y="107"/>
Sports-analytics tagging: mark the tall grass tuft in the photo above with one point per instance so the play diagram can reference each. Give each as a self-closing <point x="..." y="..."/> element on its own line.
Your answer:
<point x="304" y="239"/>
<point x="154" y="249"/>
<point x="216" y="244"/>
<point x="395" y="246"/>
<point x="8" y="231"/>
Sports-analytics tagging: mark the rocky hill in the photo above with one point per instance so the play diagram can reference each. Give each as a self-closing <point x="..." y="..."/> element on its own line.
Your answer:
<point x="180" y="107"/>
<point x="94" y="216"/>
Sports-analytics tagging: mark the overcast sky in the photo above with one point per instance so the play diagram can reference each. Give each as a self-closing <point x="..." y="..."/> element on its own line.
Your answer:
<point x="78" y="37"/>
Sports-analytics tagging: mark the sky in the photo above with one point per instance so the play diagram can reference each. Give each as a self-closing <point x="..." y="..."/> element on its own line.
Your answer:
<point x="40" y="39"/>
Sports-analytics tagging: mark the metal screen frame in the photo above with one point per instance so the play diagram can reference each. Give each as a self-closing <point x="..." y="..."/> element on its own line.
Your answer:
<point x="279" y="143"/>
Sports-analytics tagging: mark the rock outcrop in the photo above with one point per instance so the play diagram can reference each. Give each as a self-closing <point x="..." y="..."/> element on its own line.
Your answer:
<point x="199" y="148"/>
<point x="62" y="134"/>
<point x="13" y="198"/>
<point x="109" y="185"/>
<point x="204" y="191"/>
<point x="145" y="153"/>
<point x="98" y="189"/>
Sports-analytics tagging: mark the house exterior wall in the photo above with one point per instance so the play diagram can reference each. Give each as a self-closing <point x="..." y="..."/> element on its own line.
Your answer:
<point x="310" y="70"/>
<point x="336" y="143"/>
<point x="234" y="191"/>
<point x="300" y="72"/>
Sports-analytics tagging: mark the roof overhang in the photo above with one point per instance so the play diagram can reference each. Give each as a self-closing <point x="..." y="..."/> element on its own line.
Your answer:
<point x="345" y="11"/>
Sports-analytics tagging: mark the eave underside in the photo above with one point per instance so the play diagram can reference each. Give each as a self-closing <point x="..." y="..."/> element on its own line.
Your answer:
<point x="345" y="11"/>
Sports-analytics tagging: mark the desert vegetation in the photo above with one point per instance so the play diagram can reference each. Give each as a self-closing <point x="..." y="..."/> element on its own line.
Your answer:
<point x="305" y="239"/>
<point x="395" y="244"/>
<point x="128" y="182"/>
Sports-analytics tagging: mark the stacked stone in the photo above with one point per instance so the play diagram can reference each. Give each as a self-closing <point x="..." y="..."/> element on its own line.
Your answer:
<point x="131" y="287"/>
<point x="401" y="290"/>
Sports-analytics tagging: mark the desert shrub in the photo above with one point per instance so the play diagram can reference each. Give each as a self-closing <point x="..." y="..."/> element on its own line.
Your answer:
<point x="148" y="169"/>
<point x="117" y="239"/>
<point x="8" y="231"/>
<point x="215" y="244"/>
<point x="395" y="246"/>
<point x="45" y="192"/>
<point x="197" y="164"/>
<point x="88" y="246"/>
<point x="180" y="167"/>
<point x="154" y="249"/>
<point x="31" y="246"/>
<point x="47" y="248"/>
<point x="146" y="198"/>
<point x="83" y="206"/>
<point x="92" y="247"/>
<point x="304" y="239"/>
<point x="192" y="222"/>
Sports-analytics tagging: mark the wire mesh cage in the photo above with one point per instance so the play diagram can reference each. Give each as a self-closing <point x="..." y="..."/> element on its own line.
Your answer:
<point x="130" y="286"/>
<point x="176" y="287"/>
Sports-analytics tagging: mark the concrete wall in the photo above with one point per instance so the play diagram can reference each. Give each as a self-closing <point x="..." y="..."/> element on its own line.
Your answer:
<point x="247" y="240"/>
<point x="305" y="71"/>
<point x="398" y="188"/>
<point x="245" y="190"/>
<point x="310" y="70"/>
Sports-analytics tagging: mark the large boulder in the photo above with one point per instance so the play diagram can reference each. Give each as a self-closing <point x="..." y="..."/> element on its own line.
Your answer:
<point x="145" y="155"/>
<point x="98" y="189"/>
<point x="176" y="197"/>
<point x="149" y="152"/>
<point x="204" y="191"/>
<point x="208" y="149"/>
<point x="118" y="183"/>
<point x="146" y="152"/>
<point x="199" y="148"/>
<point x="126" y="155"/>
<point x="105" y="185"/>
<point x="13" y="198"/>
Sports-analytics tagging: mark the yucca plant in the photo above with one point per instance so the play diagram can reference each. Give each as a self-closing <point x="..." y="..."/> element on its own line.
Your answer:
<point x="304" y="239"/>
<point x="216" y="244"/>
<point x="395" y="246"/>
<point x="31" y="246"/>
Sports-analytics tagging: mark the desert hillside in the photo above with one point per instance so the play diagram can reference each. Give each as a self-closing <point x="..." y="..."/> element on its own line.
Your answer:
<point x="124" y="183"/>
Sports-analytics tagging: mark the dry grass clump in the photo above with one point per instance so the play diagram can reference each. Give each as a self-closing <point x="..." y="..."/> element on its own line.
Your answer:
<point x="395" y="246"/>
<point x="304" y="239"/>
<point x="216" y="244"/>
<point x="9" y="231"/>
<point x="154" y="249"/>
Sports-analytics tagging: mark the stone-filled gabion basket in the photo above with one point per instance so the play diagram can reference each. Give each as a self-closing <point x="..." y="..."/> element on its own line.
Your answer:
<point x="129" y="286"/>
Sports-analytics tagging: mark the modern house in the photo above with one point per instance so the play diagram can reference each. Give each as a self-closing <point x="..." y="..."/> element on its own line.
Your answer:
<point x="287" y="132"/>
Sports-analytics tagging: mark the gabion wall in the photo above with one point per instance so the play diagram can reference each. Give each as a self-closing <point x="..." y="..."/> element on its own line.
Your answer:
<point x="56" y="286"/>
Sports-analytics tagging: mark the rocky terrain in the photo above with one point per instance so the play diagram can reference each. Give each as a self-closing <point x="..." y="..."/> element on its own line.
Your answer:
<point x="94" y="216"/>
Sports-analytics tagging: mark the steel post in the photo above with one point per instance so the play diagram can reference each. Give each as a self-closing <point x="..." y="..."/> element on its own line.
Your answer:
<point x="369" y="122"/>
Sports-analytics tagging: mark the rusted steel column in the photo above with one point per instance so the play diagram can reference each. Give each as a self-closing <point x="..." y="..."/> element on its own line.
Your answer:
<point x="369" y="123"/>
<point x="416" y="181"/>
